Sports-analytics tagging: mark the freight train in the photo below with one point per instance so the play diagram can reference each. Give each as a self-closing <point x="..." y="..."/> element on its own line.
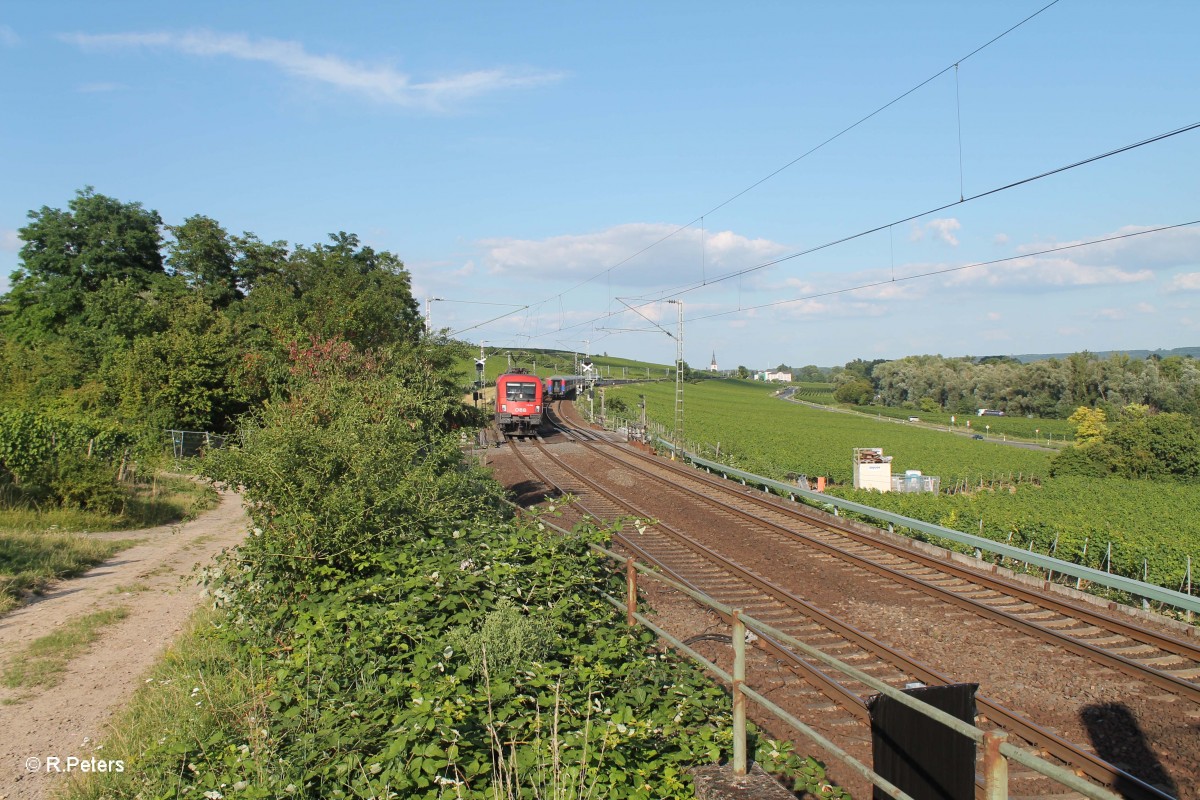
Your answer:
<point x="519" y="399"/>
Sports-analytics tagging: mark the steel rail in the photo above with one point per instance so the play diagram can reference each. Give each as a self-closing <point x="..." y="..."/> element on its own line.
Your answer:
<point x="1152" y="675"/>
<point x="1119" y="582"/>
<point x="1044" y="598"/>
<point x="1060" y="748"/>
<point x="1031" y="732"/>
<point x="821" y="681"/>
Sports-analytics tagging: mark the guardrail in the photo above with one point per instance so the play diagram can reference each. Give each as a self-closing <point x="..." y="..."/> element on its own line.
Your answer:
<point x="997" y="751"/>
<point x="1131" y="586"/>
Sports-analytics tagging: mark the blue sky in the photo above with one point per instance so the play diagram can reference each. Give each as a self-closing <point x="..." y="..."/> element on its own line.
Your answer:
<point x="575" y="158"/>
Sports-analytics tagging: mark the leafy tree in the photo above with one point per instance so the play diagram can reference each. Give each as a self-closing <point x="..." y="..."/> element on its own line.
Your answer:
<point x="337" y="291"/>
<point x="183" y="377"/>
<point x="68" y="254"/>
<point x="359" y="455"/>
<point x="743" y="372"/>
<point x="616" y="405"/>
<point x="858" y="391"/>
<point x="1139" y="444"/>
<point x="1089" y="425"/>
<point x="203" y="255"/>
<point x="863" y="369"/>
<point x="257" y="259"/>
<point x="1155" y="446"/>
<point x="811" y="372"/>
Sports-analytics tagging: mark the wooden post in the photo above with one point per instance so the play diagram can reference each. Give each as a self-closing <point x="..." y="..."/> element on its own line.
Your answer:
<point x="995" y="766"/>
<point x="1082" y="562"/>
<point x="1189" y="584"/>
<point x="630" y="591"/>
<point x="739" y="699"/>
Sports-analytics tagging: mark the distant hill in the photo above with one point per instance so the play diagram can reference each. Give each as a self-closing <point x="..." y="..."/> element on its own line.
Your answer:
<point x="1194" y="352"/>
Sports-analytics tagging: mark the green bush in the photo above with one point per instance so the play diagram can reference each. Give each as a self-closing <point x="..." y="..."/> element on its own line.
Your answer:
<point x="403" y="638"/>
<point x="364" y="455"/>
<point x="60" y="458"/>
<point x="87" y="484"/>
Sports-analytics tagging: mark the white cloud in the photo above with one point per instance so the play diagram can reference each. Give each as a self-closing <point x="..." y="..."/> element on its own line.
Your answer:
<point x="837" y="307"/>
<point x="1036" y="272"/>
<point x="1112" y="314"/>
<point x="437" y="278"/>
<point x="899" y="290"/>
<point x="1185" y="282"/>
<point x="1000" y="238"/>
<point x="638" y="254"/>
<point x="1113" y="263"/>
<point x="942" y="229"/>
<point x="1144" y="308"/>
<point x="380" y="82"/>
<point x="1177" y="247"/>
<point x="8" y="37"/>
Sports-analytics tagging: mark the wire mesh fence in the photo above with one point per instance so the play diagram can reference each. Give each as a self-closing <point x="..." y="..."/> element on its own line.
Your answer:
<point x="188" y="444"/>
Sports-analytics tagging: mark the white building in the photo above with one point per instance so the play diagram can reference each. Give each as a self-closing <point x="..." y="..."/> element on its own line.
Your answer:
<point x="713" y="366"/>
<point x="777" y="377"/>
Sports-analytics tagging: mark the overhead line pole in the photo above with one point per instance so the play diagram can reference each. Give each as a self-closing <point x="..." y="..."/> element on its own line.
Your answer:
<point x="678" y="436"/>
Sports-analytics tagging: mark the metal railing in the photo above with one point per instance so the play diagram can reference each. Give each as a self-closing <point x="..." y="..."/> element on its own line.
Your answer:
<point x="1130" y="586"/>
<point x="997" y="751"/>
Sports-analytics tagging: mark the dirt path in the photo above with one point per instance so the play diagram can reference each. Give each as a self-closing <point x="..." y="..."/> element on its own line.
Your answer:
<point x="155" y="582"/>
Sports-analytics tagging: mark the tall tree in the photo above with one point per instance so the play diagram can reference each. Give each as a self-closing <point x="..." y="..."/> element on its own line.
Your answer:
<point x="338" y="291"/>
<point x="68" y="254"/>
<point x="202" y="253"/>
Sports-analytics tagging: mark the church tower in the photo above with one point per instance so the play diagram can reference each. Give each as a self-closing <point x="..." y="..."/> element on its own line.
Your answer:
<point x="713" y="366"/>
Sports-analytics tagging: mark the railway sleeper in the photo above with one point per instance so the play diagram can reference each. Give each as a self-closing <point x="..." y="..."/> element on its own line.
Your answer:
<point x="1186" y="674"/>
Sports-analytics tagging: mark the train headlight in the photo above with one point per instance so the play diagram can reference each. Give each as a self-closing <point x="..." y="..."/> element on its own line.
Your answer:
<point x="504" y="407"/>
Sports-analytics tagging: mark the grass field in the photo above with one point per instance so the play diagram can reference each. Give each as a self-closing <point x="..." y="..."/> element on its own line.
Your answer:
<point x="772" y="437"/>
<point x="38" y="546"/>
<point x="1152" y="527"/>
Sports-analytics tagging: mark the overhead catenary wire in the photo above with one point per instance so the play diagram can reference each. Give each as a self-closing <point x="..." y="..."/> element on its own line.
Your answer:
<point x="947" y="270"/>
<point x="806" y="153"/>
<point x="678" y="291"/>
<point x="686" y="288"/>
<point x="921" y="275"/>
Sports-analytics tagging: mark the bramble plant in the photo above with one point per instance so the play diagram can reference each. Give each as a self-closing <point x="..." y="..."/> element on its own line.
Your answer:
<point x="407" y="638"/>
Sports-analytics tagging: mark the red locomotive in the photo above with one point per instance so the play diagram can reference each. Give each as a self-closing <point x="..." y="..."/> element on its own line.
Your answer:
<point x="519" y="404"/>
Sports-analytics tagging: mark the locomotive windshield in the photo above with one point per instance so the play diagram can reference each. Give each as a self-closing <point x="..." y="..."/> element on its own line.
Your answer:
<point x="520" y="391"/>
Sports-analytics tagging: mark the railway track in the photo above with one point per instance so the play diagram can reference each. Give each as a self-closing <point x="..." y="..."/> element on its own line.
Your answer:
<point x="1109" y="642"/>
<point x="1167" y="662"/>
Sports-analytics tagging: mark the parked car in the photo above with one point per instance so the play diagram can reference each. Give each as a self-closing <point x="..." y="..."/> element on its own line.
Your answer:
<point x="976" y="435"/>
